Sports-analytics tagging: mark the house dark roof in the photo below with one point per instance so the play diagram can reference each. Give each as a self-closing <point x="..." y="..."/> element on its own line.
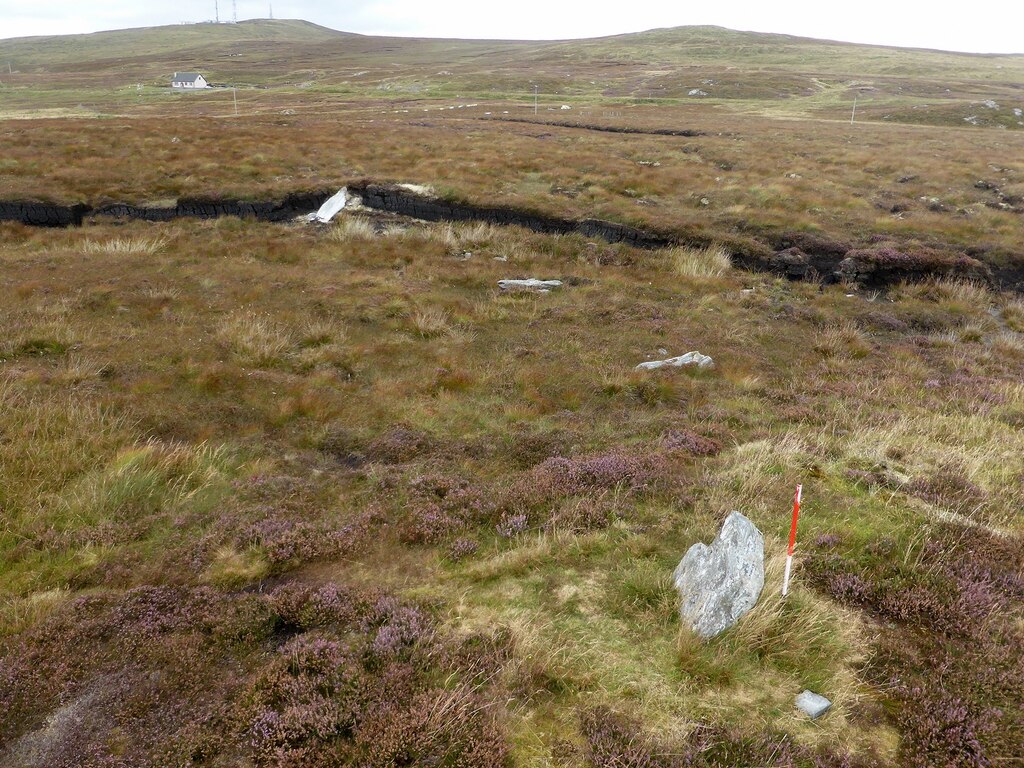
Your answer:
<point x="185" y="77"/>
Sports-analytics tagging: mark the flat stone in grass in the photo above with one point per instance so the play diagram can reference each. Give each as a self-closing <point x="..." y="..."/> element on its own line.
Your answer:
<point x="812" y="704"/>
<point x="529" y="284"/>
<point x="720" y="583"/>
<point x="690" y="358"/>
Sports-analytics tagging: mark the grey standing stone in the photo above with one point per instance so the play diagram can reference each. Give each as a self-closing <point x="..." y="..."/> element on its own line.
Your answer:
<point x="812" y="704"/>
<point x="720" y="583"/>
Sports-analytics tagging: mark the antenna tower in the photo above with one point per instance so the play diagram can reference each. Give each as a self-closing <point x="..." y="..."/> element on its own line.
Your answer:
<point x="216" y="11"/>
<point x="271" y="6"/>
<point x="234" y="11"/>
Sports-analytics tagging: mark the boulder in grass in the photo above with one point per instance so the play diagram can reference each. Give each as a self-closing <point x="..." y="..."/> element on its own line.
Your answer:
<point x="718" y="584"/>
<point x="690" y="358"/>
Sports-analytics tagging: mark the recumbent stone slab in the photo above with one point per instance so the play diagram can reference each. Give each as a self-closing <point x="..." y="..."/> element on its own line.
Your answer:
<point x="690" y="358"/>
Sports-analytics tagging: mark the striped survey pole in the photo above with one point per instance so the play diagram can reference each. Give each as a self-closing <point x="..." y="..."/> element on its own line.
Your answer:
<point x="792" y="539"/>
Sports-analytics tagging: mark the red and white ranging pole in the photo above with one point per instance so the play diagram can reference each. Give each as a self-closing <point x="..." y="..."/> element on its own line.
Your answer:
<point x="792" y="539"/>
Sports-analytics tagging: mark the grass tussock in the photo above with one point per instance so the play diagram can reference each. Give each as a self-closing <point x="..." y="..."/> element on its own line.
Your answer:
<point x="259" y="340"/>
<point x="18" y="614"/>
<point x="231" y="568"/>
<point x="1013" y="315"/>
<point x="350" y="228"/>
<point x="432" y="322"/>
<point x="125" y="246"/>
<point x="842" y="340"/>
<point x="140" y="482"/>
<point x="709" y="262"/>
<point x="1009" y="345"/>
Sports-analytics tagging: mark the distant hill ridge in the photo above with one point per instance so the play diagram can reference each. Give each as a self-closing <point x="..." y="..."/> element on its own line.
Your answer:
<point x="157" y="40"/>
<point x="670" y="63"/>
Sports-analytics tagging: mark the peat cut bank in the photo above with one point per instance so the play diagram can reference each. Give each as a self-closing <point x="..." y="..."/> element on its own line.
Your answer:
<point x="794" y="258"/>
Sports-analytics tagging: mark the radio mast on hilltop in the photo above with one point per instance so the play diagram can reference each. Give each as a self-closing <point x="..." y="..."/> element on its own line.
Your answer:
<point x="216" y="11"/>
<point x="270" y="7"/>
<point x="234" y="11"/>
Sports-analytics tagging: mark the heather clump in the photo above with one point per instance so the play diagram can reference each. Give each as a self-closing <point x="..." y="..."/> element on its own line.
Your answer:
<point x="975" y="717"/>
<point x="872" y="478"/>
<point x="357" y="677"/>
<point x="302" y="607"/>
<point x="613" y="740"/>
<point x="687" y="441"/>
<point x="398" y="445"/>
<point x="577" y="494"/>
<point x="286" y="540"/>
<point x="558" y="477"/>
<point x="947" y="731"/>
<point x="148" y="659"/>
<point x="952" y="606"/>
<point x="462" y="548"/>
<point x="814" y="243"/>
<point x="581" y="494"/>
<point x="524" y="449"/>
<point x="512" y="524"/>
<point x="343" y="445"/>
<point x="440" y="506"/>
<point x="949" y="487"/>
<point x="942" y="597"/>
<point x="284" y="518"/>
<point x="960" y="580"/>
<point x="387" y="624"/>
<point x="361" y="689"/>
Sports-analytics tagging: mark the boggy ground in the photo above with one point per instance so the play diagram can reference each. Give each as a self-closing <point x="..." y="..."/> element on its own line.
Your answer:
<point x="749" y="181"/>
<point x="283" y="495"/>
<point x="278" y="495"/>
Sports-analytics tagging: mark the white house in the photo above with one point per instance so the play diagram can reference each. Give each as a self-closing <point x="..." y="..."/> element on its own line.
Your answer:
<point x="189" y="81"/>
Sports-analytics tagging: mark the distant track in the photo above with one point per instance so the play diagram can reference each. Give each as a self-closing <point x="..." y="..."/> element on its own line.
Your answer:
<point x="686" y="132"/>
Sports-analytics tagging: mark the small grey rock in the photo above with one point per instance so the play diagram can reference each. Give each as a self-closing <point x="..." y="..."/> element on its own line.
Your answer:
<point x="718" y="584"/>
<point x="812" y="704"/>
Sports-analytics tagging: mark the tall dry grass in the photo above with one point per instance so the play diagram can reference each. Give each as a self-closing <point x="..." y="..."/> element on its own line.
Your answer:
<point x="125" y="246"/>
<point x="257" y="339"/>
<point x="708" y="262"/>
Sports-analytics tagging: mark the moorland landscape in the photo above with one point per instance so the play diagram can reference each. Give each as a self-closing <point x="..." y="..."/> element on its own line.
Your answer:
<point x="277" y="492"/>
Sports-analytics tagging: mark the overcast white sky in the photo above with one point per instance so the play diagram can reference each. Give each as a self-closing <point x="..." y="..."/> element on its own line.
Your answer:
<point x="981" y="26"/>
